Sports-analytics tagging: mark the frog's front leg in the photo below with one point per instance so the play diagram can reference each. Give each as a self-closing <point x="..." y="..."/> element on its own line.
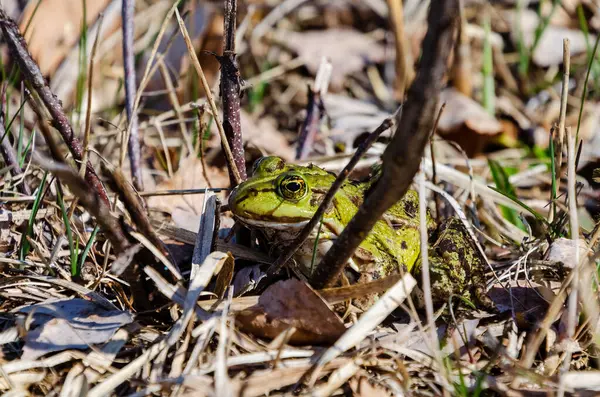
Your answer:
<point x="456" y="267"/>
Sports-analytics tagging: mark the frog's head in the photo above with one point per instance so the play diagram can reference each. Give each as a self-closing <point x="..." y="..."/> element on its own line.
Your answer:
<point x="279" y="195"/>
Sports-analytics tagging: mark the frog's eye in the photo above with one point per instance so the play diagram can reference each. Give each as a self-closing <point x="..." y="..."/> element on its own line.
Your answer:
<point x="292" y="187"/>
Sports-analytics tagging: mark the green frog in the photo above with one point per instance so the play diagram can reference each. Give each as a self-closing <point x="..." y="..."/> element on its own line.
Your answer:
<point x="279" y="199"/>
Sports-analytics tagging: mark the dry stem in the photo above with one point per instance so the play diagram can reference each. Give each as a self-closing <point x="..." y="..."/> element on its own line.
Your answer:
<point x="127" y="12"/>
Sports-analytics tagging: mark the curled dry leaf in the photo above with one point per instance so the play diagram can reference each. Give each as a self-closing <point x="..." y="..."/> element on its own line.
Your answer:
<point x="291" y="303"/>
<point x="466" y="122"/>
<point x="348" y="50"/>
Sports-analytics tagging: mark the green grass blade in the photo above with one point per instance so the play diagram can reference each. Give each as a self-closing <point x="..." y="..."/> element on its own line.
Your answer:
<point x="75" y="270"/>
<point x="553" y="172"/>
<point x="505" y="187"/>
<point x="24" y="249"/>
<point x="26" y="150"/>
<point x="88" y="247"/>
<point x="585" y="83"/>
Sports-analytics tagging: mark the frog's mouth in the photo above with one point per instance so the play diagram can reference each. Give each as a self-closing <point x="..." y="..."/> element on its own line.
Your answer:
<point x="276" y="225"/>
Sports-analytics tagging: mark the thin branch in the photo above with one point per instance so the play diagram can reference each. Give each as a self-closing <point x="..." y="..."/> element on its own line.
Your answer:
<point x="433" y="169"/>
<point x="88" y="112"/>
<point x="315" y="109"/>
<point x="404" y="70"/>
<point x="171" y="91"/>
<point x="573" y="309"/>
<point x="402" y="157"/>
<point x="231" y="88"/>
<point x="127" y="14"/>
<point x="32" y="73"/>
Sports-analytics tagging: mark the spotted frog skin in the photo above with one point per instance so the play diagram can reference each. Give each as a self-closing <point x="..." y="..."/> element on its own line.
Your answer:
<point x="279" y="199"/>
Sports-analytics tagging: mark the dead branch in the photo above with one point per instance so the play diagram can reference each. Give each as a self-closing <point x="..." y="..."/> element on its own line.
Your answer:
<point x="127" y="11"/>
<point x="230" y="86"/>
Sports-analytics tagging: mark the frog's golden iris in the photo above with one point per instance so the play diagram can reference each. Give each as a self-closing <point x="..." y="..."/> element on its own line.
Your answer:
<point x="279" y="199"/>
<point x="292" y="187"/>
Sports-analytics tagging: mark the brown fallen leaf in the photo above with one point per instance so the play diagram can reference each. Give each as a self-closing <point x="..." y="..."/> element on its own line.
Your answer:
<point x="466" y="122"/>
<point x="348" y="50"/>
<point x="291" y="303"/>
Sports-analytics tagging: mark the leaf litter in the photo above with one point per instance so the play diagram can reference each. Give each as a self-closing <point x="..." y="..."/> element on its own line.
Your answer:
<point x="139" y="319"/>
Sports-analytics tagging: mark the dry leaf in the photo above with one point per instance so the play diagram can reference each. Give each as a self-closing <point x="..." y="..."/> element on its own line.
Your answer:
<point x="348" y="50"/>
<point x="224" y="277"/>
<point x="525" y="298"/>
<point x="291" y="303"/>
<point x="466" y="122"/>
<point x="70" y="324"/>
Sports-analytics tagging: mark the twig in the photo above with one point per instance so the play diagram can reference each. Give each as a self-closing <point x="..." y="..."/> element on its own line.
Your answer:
<point x="574" y="221"/>
<point x="88" y="112"/>
<point x="230" y="86"/>
<point x="310" y="126"/>
<point x="199" y="116"/>
<point x="339" y="181"/>
<point x="402" y="157"/>
<point x="150" y="70"/>
<point x="213" y="106"/>
<point x="32" y="73"/>
<point x="127" y="14"/>
<point x="314" y="110"/>
<point x="176" y="105"/>
<point x="404" y="71"/>
<point x="426" y="280"/>
<point x="462" y="67"/>
<point x="7" y="150"/>
<point x="563" y="106"/>
<point x="433" y="168"/>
